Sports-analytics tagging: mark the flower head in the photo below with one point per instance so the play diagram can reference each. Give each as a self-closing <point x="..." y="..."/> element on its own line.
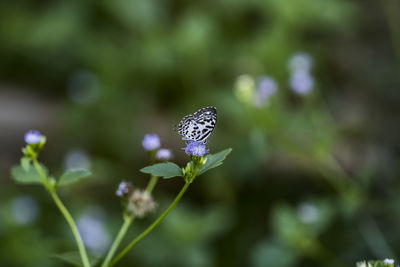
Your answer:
<point x="301" y="82"/>
<point x="151" y="142"/>
<point x="164" y="154"/>
<point x="33" y="137"/>
<point x="196" y="148"/>
<point x="140" y="203"/>
<point x="124" y="189"/>
<point x="266" y="87"/>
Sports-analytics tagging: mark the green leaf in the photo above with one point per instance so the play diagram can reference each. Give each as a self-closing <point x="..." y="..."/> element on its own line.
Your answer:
<point x="25" y="163"/>
<point x="72" y="176"/>
<point x="30" y="176"/>
<point x="214" y="160"/>
<point x="165" y="170"/>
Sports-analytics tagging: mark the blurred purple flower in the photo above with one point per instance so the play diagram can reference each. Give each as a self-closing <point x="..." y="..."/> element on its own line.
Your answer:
<point x="300" y="61"/>
<point x="33" y="137"/>
<point x="301" y="82"/>
<point x="151" y="142"/>
<point x="124" y="189"/>
<point x="164" y="154"/>
<point x="196" y="148"/>
<point x="265" y="89"/>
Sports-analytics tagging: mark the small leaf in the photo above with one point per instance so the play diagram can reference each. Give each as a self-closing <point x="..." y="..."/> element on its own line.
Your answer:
<point x="214" y="160"/>
<point x="165" y="170"/>
<point x="31" y="176"/>
<point x="25" y="163"/>
<point x="72" y="176"/>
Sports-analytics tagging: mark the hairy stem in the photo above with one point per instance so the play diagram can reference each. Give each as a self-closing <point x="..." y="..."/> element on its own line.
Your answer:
<point x="65" y="212"/>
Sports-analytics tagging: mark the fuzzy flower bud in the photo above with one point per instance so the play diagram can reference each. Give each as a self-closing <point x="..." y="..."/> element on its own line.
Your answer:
<point x="196" y="148"/>
<point x="164" y="154"/>
<point x="124" y="189"/>
<point x="141" y="203"/>
<point x="33" y="137"/>
<point x="151" y="142"/>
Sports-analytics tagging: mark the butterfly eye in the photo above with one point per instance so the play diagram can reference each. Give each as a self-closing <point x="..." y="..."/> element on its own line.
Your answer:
<point x="198" y="127"/>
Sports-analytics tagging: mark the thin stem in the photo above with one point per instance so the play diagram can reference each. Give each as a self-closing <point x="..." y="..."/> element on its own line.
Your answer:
<point x="65" y="212"/>
<point x="152" y="183"/>
<point x="125" y="226"/>
<point x="152" y="226"/>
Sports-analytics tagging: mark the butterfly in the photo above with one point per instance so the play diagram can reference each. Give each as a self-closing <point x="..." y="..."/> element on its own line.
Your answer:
<point x="198" y="127"/>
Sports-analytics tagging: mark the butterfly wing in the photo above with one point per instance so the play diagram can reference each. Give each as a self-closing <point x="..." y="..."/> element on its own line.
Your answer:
<point x="198" y="126"/>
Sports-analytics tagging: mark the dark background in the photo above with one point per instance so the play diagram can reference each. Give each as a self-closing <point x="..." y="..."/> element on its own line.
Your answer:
<point x="312" y="180"/>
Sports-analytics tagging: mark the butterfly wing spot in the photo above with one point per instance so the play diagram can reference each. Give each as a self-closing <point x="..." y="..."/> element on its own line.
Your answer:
<point x="198" y="126"/>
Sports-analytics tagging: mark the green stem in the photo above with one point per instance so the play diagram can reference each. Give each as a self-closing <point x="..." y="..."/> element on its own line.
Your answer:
<point x="65" y="212"/>
<point x="152" y="226"/>
<point x="124" y="228"/>
<point x="152" y="183"/>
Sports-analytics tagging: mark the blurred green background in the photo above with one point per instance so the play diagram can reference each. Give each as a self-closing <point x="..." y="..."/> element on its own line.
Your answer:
<point x="313" y="179"/>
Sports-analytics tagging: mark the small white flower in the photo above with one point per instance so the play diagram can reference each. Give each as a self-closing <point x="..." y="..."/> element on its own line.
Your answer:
<point x="141" y="203"/>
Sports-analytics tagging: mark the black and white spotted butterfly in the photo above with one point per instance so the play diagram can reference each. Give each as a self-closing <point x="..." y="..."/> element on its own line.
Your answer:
<point x="198" y="127"/>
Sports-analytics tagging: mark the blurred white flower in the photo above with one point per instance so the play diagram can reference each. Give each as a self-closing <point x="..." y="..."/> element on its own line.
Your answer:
<point x="77" y="159"/>
<point x="307" y="213"/>
<point x="301" y="82"/>
<point x="266" y="87"/>
<point x="83" y="87"/>
<point x="94" y="233"/>
<point x="24" y="209"/>
<point x="164" y="154"/>
<point x="300" y="61"/>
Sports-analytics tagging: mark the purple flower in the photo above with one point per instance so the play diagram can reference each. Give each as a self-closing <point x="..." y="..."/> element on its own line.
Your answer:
<point x="33" y="137"/>
<point x="164" y="154"/>
<point x="301" y="82"/>
<point x="196" y="148"/>
<point x="151" y="142"/>
<point x="124" y="189"/>
<point x="265" y="89"/>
